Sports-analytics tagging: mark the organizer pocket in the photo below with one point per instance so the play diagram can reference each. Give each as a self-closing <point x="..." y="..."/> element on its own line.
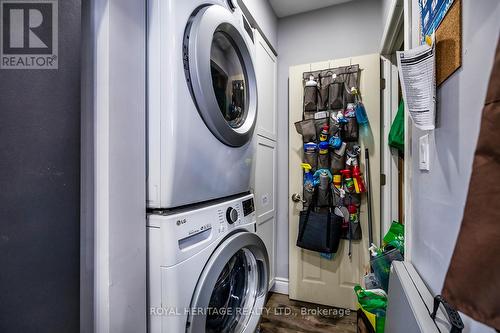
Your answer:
<point x="319" y="123"/>
<point x="337" y="162"/>
<point x="308" y="115"/>
<point x="311" y="158"/>
<point x="355" y="199"/>
<point x="351" y="130"/>
<point x="325" y="82"/>
<point x="350" y="81"/>
<point x="308" y="197"/>
<point x="335" y="95"/>
<point x="323" y="196"/>
<point x="306" y="128"/>
<point x="310" y="98"/>
<point x="323" y="161"/>
<point x="337" y="199"/>
<point x="334" y="124"/>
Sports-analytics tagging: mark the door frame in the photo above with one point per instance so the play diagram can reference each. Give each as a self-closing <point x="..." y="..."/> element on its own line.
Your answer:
<point x="391" y="40"/>
<point x="401" y="10"/>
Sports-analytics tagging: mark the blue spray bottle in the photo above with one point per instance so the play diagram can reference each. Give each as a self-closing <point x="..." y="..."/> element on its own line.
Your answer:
<point x="360" y="110"/>
<point x="308" y="177"/>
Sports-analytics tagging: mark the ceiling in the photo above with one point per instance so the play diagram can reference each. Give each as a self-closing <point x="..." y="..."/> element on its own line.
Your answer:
<point x="284" y="8"/>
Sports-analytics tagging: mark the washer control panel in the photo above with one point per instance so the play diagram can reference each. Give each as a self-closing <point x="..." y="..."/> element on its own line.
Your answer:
<point x="231" y="215"/>
<point x="187" y="232"/>
<point x="248" y="207"/>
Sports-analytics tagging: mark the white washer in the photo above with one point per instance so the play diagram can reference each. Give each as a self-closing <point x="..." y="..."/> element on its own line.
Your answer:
<point x="202" y="102"/>
<point x="208" y="271"/>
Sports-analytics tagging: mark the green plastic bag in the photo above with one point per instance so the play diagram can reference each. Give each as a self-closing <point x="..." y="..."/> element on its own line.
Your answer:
<point x="397" y="132"/>
<point x="373" y="303"/>
<point x="395" y="236"/>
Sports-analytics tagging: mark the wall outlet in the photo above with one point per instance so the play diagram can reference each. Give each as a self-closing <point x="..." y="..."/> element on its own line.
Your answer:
<point x="423" y="150"/>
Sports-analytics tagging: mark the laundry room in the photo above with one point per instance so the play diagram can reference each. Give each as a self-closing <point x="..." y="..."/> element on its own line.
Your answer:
<point x="249" y="166"/>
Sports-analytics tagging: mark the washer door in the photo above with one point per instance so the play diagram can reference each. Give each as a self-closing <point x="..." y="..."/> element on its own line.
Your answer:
<point x="232" y="289"/>
<point x="221" y="75"/>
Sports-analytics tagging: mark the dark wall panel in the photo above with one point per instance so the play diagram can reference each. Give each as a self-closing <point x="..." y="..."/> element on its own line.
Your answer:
<point x="40" y="189"/>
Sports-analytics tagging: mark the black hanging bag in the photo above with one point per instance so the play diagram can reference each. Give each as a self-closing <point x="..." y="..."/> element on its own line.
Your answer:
<point x="319" y="232"/>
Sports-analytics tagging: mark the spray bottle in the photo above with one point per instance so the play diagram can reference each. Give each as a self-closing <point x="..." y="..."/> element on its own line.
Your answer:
<point x="348" y="181"/>
<point x="308" y="177"/>
<point x="359" y="109"/>
<point x="359" y="184"/>
<point x="352" y="156"/>
<point x="353" y="213"/>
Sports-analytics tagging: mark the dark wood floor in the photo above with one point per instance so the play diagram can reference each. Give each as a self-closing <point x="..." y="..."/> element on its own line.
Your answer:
<point x="283" y="315"/>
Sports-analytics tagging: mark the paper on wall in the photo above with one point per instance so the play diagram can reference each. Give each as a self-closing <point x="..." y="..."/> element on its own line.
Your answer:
<point x="417" y="75"/>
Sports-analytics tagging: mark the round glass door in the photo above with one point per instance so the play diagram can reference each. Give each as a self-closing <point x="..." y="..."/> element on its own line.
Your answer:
<point x="232" y="288"/>
<point x="220" y="74"/>
<point x="234" y="294"/>
<point x="228" y="79"/>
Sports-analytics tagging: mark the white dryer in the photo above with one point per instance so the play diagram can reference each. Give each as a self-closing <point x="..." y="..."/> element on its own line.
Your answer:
<point x="202" y="102"/>
<point x="207" y="270"/>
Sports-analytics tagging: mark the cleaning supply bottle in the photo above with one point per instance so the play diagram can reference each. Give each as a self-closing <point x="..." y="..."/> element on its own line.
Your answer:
<point x="359" y="108"/>
<point x="361" y="116"/>
<point x="353" y="213"/>
<point x="335" y="142"/>
<point x="340" y="117"/>
<point x="323" y="147"/>
<point x="323" y="136"/>
<point x="337" y="181"/>
<point x="323" y="172"/>
<point x="352" y="156"/>
<point x="308" y="177"/>
<point x="359" y="184"/>
<point x="311" y="82"/>
<point x="310" y="147"/>
<point x="348" y="181"/>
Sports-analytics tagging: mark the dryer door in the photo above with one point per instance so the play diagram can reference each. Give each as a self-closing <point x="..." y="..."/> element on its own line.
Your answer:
<point x="232" y="289"/>
<point x="220" y="74"/>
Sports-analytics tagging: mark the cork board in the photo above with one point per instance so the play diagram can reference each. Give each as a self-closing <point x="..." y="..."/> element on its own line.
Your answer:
<point x="449" y="43"/>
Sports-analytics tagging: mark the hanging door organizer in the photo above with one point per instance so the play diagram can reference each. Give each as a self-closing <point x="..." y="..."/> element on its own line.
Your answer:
<point x="332" y="114"/>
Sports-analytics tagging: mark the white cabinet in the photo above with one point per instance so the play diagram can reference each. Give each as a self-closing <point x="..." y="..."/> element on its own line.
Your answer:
<point x="265" y="164"/>
<point x="265" y="201"/>
<point x="266" y="68"/>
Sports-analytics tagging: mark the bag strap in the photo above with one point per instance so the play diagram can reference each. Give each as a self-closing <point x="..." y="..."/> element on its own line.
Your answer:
<point x="312" y="204"/>
<point x="329" y="218"/>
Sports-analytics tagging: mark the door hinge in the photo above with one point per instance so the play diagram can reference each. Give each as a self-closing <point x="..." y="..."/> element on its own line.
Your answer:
<point x="382" y="179"/>
<point x="382" y="84"/>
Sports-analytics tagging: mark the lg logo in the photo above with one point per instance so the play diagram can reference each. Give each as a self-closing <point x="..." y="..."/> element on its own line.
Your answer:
<point x="180" y="222"/>
<point x="29" y="34"/>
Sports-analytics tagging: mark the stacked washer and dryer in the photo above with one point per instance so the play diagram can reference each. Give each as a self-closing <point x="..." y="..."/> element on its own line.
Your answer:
<point x="207" y="269"/>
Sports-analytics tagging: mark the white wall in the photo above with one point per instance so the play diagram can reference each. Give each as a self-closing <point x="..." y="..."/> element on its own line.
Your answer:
<point x="119" y="155"/>
<point x="349" y="29"/>
<point x="386" y="6"/>
<point x="263" y="13"/>
<point x="439" y="195"/>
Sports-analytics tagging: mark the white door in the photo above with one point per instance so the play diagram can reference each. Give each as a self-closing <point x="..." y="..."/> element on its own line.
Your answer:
<point x="313" y="278"/>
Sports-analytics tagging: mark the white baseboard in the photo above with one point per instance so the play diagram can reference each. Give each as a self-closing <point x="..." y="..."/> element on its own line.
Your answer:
<point x="280" y="286"/>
